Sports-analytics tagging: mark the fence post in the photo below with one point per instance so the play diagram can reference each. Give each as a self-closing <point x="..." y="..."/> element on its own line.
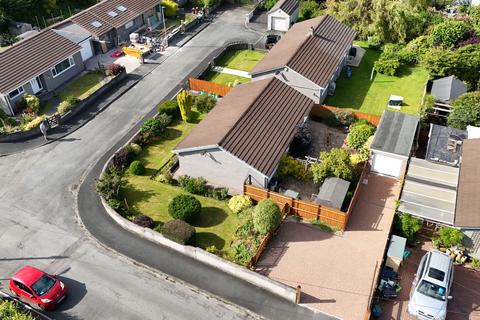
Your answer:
<point x="298" y="293"/>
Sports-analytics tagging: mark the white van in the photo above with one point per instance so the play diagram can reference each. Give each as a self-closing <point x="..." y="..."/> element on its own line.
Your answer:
<point x="431" y="287"/>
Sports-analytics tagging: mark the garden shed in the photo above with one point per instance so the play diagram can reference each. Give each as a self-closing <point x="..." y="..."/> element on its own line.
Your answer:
<point x="392" y="143"/>
<point x="333" y="192"/>
<point x="448" y="89"/>
<point x="282" y="15"/>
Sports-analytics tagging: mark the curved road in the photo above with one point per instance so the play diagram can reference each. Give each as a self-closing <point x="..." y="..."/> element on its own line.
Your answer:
<point x="39" y="224"/>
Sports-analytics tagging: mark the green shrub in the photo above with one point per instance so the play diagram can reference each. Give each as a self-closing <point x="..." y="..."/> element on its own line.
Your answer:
<point x="309" y="9"/>
<point x="374" y="42"/>
<point x="359" y="134"/>
<point x="122" y="157"/>
<point x="64" y="107"/>
<point x="32" y="102"/>
<point x="408" y="226"/>
<point x="345" y="118"/>
<point x="170" y="107"/>
<point x="239" y="203"/>
<point x="156" y="126"/>
<point x="219" y="193"/>
<point x="9" y="310"/>
<point x="289" y="166"/>
<point x="335" y="163"/>
<point x="185" y="102"/>
<point x="268" y="4"/>
<point x="165" y="177"/>
<point x="448" y="237"/>
<point x="135" y="148"/>
<point x="420" y="45"/>
<point x="184" y="207"/>
<point x="144" y="221"/>
<point x="449" y="33"/>
<point x="179" y="231"/>
<point x="115" y="204"/>
<point x="475" y="263"/>
<point x="35" y="122"/>
<point x="266" y="216"/>
<point x="466" y="111"/>
<point x="427" y="105"/>
<point x="72" y="100"/>
<point x="194" y="185"/>
<point x="204" y="103"/>
<point x="136" y="168"/>
<point x="171" y="8"/>
<point x="109" y="184"/>
<point x="388" y="66"/>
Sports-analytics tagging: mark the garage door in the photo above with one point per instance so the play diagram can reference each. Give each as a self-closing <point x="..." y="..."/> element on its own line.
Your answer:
<point x="279" y="24"/>
<point x="86" y="51"/>
<point x="386" y="165"/>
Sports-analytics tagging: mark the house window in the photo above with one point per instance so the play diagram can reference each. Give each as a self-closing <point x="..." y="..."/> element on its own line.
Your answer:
<point x="15" y="93"/>
<point x="129" y="24"/>
<point x="63" y="66"/>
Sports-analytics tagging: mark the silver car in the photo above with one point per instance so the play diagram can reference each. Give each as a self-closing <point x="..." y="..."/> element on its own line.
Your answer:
<point x="431" y="287"/>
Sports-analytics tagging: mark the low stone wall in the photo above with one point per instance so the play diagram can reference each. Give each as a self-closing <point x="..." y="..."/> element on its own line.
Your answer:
<point x="77" y="108"/>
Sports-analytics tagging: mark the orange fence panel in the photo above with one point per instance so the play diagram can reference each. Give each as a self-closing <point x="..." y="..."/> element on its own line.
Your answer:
<point x="212" y="87"/>
<point x="321" y="110"/>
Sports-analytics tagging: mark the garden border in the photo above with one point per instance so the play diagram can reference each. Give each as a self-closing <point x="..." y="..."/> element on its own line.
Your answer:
<point x="25" y="306"/>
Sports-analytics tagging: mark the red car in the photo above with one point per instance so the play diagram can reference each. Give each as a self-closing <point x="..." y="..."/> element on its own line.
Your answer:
<point x="38" y="287"/>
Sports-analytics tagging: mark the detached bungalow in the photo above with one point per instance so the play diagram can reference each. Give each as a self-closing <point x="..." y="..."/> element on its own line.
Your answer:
<point x="244" y="136"/>
<point x="282" y="15"/>
<point x="309" y="57"/>
<point x="110" y="22"/>
<point x="35" y="65"/>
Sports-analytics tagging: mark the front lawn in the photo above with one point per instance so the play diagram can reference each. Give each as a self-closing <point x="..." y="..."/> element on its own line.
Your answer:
<point x="359" y="93"/>
<point x="83" y="86"/>
<point x="244" y="60"/>
<point x="224" y="78"/>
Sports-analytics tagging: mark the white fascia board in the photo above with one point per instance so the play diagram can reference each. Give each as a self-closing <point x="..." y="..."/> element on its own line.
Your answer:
<point x="195" y="149"/>
<point x="243" y="162"/>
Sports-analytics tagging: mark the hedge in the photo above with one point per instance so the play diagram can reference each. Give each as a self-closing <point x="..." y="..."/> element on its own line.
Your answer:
<point x="266" y="216"/>
<point x="179" y="231"/>
<point x="170" y="107"/>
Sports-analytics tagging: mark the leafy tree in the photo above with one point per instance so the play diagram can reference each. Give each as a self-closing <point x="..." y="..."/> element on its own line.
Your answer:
<point x="336" y="163"/>
<point x="466" y="111"/>
<point x="204" y="103"/>
<point x="448" y="237"/>
<point x="354" y="13"/>
<point x="309" y="9"/>
<point x="387" y="65"/>
<point x="439" y="62"/>
<point x="449" y="33"/>
<point x="268" y="4"/>
<point x="475" y="18"/>
<point x="171" y="8"/>
<point x="184" y="100"/>
<point x="467" y="66"/>
<point x="266" y="216"/>
<point x="420" y="45"/>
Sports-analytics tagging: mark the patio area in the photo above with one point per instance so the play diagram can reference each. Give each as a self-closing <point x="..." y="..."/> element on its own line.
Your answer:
<point x="336" y="271"/>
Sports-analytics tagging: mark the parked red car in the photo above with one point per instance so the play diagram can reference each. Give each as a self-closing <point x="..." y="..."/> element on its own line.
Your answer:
<point x="37" y="287"/>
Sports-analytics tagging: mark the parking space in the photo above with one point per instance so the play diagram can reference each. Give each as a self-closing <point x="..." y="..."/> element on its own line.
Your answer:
<point x="465" y="304"/>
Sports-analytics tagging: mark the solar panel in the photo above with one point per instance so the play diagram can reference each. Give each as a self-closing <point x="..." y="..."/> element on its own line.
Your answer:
<point x="122" y="8"/>
<point x="112" y="14"/>
<point x="96" y="24"/>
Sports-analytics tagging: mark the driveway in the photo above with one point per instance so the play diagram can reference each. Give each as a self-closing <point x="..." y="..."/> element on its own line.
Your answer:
<point x="39" y="224"/>
<point x="336" y="271"/>
<point x="466" y="290"/>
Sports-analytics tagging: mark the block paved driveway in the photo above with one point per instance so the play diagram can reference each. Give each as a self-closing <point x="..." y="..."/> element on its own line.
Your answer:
<point x="465" y="304"/>
<point x="336" y="272"/>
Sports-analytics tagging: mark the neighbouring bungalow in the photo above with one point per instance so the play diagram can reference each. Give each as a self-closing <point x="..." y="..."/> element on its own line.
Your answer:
<point x="243" y="138"/>
<point x="282" y="15"/>
<point x="110" y="22"/>
<point x="392" y="144"/>
<point x="445" y="91"/>
<point x="36" y="65"/>
<point x="309" y="57"/>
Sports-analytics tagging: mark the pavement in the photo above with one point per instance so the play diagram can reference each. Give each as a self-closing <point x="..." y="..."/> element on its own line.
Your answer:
<point x="336" y="272"/>
<point x="39" y="223"/>
<point x="465" y="304"/>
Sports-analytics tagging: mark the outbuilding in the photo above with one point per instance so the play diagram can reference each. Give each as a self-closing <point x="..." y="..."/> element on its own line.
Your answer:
<point x="282" y="15"/>
<point x="392" y="143"/>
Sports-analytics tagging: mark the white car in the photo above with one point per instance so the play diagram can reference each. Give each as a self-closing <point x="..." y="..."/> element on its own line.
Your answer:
<point x="431" y="287"/>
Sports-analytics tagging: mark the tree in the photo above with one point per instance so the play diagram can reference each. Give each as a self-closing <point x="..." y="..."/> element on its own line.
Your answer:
<point x="184" y="100"/>
<point x="353" y="13"/>
<point x="440" y="62"/>
<point x="408" y="226"/>
<point x="466" y="111"/>
<point x="309" y="9"/>
<point x="359" y="135"/>
<point x="475" y="18"/>
<point x="266" y="216"/>
<point x="335" y="163"/>
<point x="449" y="33"/>
<point x="448" y="237"/>
<point x="268" y="4"/>
<point x="468" y="65"/>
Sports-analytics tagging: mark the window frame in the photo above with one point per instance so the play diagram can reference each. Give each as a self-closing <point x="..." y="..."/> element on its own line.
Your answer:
<point x="70" y="60"/>
<point x="20" y="90"/>
<point x="132" y="24"/>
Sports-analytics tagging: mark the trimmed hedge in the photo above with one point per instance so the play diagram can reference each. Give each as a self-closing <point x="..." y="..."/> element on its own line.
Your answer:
<point x="144" y="221"/>
<point x="359" y="134"/>
<point x="170" y="108"/>
<point x="179" y="231"/>
<point x="184" y="207"/>
<point x="136" y="168"/>
<point x="266" y="216"/>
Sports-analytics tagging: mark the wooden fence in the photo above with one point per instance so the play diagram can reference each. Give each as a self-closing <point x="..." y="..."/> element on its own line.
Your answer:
<point x="323" y="111"/>
<point x="212" y="87"/>
<point x="300" y="208"/>
<point x="356" y="194"/>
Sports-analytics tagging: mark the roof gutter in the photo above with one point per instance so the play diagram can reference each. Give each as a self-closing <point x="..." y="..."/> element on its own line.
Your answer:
<point x="194" y="149"/>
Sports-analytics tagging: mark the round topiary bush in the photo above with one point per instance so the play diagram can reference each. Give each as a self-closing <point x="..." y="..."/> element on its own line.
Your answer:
<point x="179" y="231"/>
<point x="144" y="221"/>
<point x="136" y="168"/>
<point x="135" y="148"/>
<point x="184" y="207"/>
<point x="266" y="216"/>
<point x="239" y="203"/>
<point x="359" y="135"/>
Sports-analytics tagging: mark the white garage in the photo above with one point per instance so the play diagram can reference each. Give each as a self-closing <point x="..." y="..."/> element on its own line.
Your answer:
<point x="78" y="35"/>
<point x="283" y="14"/>
<point x="87" y="51"/>
<point x="393" y="142"/>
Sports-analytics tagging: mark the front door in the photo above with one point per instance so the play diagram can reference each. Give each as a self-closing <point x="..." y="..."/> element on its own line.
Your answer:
<point x="36" y="84"/>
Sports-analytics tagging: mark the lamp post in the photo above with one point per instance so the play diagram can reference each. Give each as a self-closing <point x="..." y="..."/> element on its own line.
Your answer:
<point x="165" y="41"/>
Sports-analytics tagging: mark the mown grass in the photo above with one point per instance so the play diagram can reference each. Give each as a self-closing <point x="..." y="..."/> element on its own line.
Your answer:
<point x="83" y="86"/>
<point x="244" y="60"/>
<point x="225" y="79"/>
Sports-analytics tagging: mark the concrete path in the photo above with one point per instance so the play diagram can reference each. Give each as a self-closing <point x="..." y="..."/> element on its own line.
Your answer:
<point x="234" y="72"/>
<point x="39" y="224"/>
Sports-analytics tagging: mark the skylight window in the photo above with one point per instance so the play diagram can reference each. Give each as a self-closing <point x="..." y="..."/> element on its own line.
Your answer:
<point x="112" y="14"/>
<point x="121" y="8"/>
<point x="96" y="24"/>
